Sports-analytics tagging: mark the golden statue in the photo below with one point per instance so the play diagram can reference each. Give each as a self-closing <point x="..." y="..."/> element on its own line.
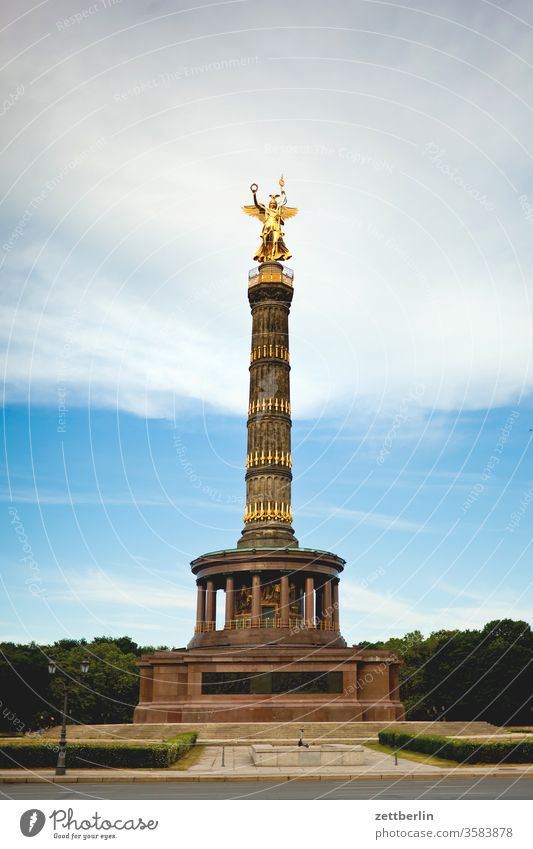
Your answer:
<point x="272" y="247"/>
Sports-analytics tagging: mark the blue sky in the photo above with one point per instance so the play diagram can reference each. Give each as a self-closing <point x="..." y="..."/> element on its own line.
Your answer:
<point x="115" y="508"/>
<point x="133" y="134"/>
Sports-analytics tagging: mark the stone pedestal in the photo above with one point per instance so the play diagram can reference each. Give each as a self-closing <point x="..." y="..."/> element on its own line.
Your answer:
<point x="268" y="684"/>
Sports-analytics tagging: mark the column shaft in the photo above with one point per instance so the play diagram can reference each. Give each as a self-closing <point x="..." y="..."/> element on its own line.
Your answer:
<point x="309" y="610"/>
<point x="256" y="601"/>
<point x="268" y="511"/>
<point x="335" y="604"/>
<point x="230" y="602"/>
<point x="327" y="611"/>
<point x="211" y="603"/>
<point x="200" y="606"/>
<point x="284" y="601"/>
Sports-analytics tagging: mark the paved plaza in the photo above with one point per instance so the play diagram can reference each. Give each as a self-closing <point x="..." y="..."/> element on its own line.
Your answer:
<point x="234" y="763"/>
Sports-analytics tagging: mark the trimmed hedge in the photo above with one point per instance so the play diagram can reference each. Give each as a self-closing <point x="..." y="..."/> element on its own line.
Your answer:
<point x="462" y="751"/>
<point x="43" y="753"/>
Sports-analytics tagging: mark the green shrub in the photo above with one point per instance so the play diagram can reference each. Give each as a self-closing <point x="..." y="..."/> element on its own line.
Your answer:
<point x="462" y="751"/>
<point x="35" y="754"/>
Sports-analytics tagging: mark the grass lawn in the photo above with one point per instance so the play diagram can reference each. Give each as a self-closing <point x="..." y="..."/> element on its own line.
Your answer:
<point x="418" y="757"/>
<point x="188" y="759"/>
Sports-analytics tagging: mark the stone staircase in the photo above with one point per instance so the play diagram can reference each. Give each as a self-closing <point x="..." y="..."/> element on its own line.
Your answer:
<point x="315" y="732"/>
<point x="244" y="733"/>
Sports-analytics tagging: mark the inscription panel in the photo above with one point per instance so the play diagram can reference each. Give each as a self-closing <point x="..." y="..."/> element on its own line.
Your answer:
<point x="266" y="683"/>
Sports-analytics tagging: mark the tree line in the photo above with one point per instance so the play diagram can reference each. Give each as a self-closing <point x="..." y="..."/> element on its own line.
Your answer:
<point x="31" y="698"/>
<point x="484" y="674"/>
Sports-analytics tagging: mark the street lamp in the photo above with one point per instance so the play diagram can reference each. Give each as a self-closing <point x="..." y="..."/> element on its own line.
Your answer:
<point x="62" y="756"/>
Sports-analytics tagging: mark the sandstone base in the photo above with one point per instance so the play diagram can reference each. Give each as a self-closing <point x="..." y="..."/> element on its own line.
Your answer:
<point x="356" y="685"/>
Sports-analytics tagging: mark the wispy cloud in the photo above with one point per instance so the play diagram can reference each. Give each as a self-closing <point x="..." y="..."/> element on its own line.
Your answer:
<point x="382" y="521"/>
<point x="99" y="587"/>
<point x="460" y="592"/>
<point x="80" y="498"/>
<point x="125" y="252"/>
<point x="378" y="613"/>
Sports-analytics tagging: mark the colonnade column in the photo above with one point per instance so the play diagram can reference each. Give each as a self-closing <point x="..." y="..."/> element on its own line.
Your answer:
<point x="335" y="604"/>
<point x="309" y="611"/>
<point x="230" y="601"/>
<point x="327" y="603"/>
<point x="211" y="603"/>
<point x="319" y="604"/>
<point x="200" y="606"/>
<point x="284" y="601"/>
<point x="256" y="601"/>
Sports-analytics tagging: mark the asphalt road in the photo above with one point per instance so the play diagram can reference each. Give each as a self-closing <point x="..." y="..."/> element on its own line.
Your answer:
<point x="455" y="788"/>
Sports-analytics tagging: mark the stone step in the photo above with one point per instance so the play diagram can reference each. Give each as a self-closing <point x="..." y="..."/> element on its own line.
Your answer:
<point x="246" y="732"/>
<point x="331" y="730"/>
<point x="289" y="741"/>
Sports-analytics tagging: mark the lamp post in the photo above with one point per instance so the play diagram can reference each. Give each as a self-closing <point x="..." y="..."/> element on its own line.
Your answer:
<point x="62" y="756"/>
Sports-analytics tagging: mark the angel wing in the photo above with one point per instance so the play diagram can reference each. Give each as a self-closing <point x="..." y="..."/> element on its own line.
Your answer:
<point x="254" y="211"/>
<point x="288" y="211"/>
